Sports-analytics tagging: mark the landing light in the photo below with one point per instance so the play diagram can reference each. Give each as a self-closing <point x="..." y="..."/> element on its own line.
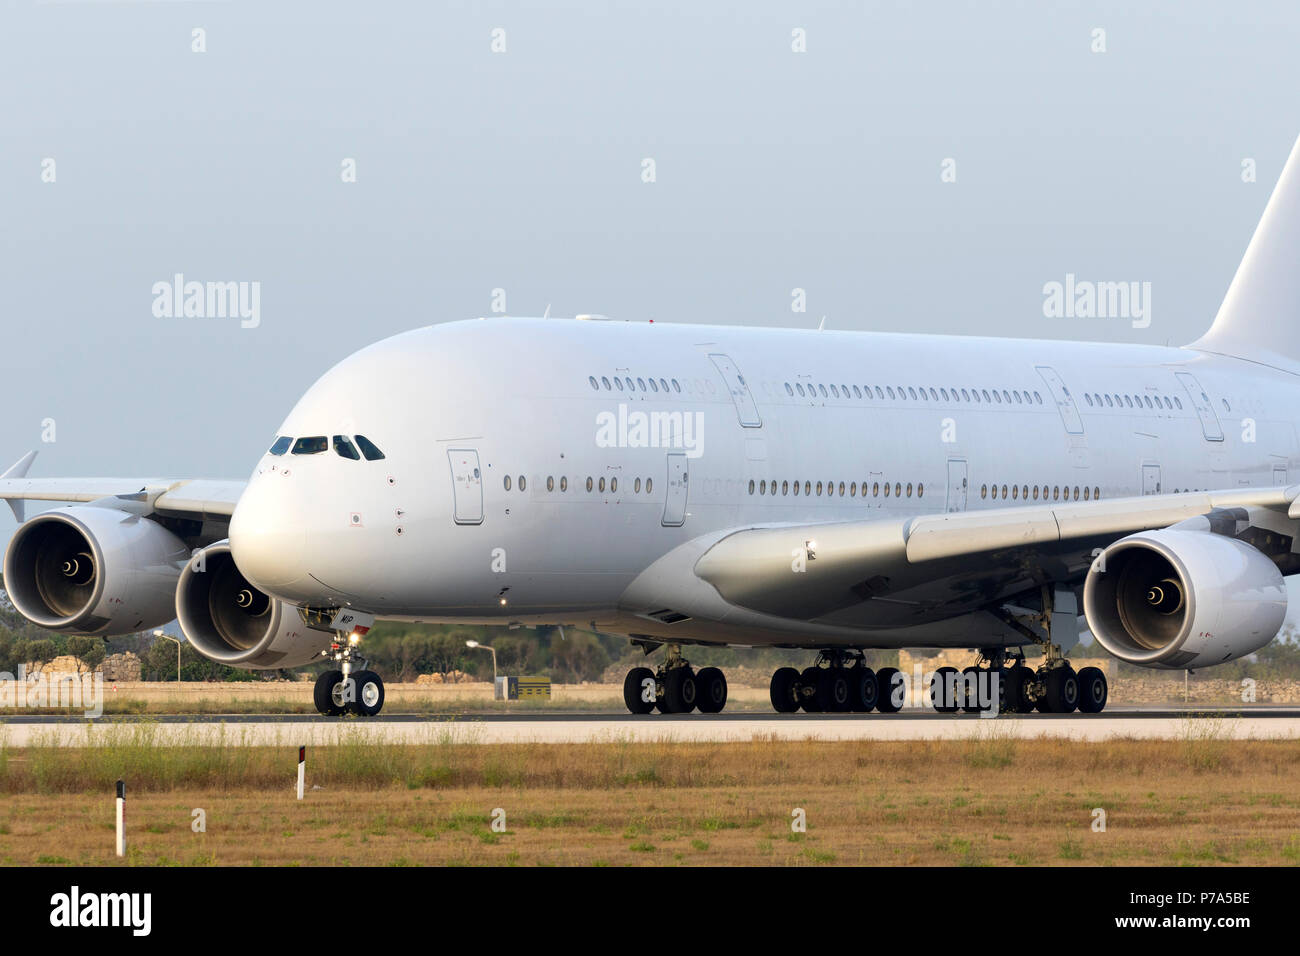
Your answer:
<point x="354" y="637"/>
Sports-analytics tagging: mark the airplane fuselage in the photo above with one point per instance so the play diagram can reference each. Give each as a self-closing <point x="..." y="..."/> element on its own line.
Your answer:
<point x="533" y="470"/>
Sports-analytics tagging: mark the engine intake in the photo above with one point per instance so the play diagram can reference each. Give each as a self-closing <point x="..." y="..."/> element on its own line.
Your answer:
<point x="93" y="570"/>
<point x="1180" y="598"/>
<point x="226" y="619"/>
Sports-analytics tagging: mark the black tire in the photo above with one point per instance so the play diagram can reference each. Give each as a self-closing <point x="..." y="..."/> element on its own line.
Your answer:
<point x="1061" y="690"/>
<point x="863" y="690"/>
<point x="680" y="691"/>
<point x="811" y="679"/>
<point x="942" y="695"/>
<point x="890" y="690"/>
<point x="972" y="677"/>
<point x="839" y="695"/>
<point x="782" y="690"/>
<point x="370" y="694"/>
<point x="1013" y="693"/>
<point x="1024" y="704"/>
<point x="1093" y="690"/>
<point x="634" y="690"/>
<point x="711" y="689"/>
<point x="323" y="694"/>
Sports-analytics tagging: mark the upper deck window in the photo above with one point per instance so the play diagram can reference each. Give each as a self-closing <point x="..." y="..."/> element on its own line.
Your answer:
<point x="282" y="443"/>
<point x="310" y="446"/>
<point x="374" y="454"/>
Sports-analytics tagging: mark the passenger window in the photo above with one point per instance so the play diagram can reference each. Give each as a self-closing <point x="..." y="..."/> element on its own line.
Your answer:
<point x="310" y="446"/>
<point x="594" y="384"/>
<point x="280" y="446"/>
<point x="604" y="381"/>
<point x="800" y="387"/>
<point x="368" y="448"/>
<point x="345" y="449"/>
<point x="788" y="389"/>
<point x="649" y="485"/>
<point x="641" y="384"/>
<point x="523" y="483"/>
<point x="507" y="482"/>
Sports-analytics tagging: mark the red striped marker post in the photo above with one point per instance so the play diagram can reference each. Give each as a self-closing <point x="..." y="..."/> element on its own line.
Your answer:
<point x="121" y="818"/>
<point x="302" y="769"/>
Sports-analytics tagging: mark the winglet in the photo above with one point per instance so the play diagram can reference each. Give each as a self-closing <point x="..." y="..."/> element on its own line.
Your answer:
<point x="19" y="470"/>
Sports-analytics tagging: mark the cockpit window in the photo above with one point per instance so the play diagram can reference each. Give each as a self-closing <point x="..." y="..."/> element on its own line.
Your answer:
<point x="344" y="448"/>
<point x="368" y="448"/>
<point x="311" y="446"/>
<point x="282" y="443"/>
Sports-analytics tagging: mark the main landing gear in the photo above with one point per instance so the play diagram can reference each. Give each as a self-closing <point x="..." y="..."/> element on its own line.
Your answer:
<point x="347" y="690"/>
<point x="839" y="682"/>
<point x="675" y="688"/>
<point x="1054" y="687"/>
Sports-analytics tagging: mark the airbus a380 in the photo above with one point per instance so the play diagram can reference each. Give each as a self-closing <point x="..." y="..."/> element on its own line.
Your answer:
<point x="691" y="485"/>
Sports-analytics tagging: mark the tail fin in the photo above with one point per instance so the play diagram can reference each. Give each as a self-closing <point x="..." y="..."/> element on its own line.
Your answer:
<point x="1259" y="319"/>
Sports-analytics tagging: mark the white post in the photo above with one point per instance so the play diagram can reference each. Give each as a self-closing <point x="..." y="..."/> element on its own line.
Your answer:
<point x="121" y="818"/>
<point x="302" y="769"/>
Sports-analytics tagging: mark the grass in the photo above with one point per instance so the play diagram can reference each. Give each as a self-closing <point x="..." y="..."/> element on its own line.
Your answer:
<point x="991" y="801"/>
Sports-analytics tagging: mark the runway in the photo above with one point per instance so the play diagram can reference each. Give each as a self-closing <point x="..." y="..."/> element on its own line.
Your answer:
<point x="1262" y="722"/>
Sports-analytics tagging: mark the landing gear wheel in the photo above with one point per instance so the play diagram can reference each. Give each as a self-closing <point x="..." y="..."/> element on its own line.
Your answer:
<point x="1015" y="693"/>
<point x="711" y="689"/>
<point x="1061" y="688"/>
<point x="813" y="703"/>
<point x="679" y="692"/>
<point x="863" y="690"/>
<point x="969" y="698"/>
<point x="891" y="690"/>
<point x="943" y="690"/>
<point x="1093" y="690"/>
<point x="636" y="690"/>
<point x="838" y="696"/>
<point x="369" y="691"/>
<point x="783" y="690"/>
<point x="328" y="687"/>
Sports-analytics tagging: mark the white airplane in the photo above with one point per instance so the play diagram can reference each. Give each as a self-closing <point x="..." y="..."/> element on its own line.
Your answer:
<point x="686" y="485"/>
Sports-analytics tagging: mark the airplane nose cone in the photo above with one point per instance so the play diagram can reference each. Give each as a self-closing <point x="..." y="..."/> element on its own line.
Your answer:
<point x="267" y="541"/>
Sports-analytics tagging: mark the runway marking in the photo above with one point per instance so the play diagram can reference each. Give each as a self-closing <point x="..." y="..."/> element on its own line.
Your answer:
<point x="251" y="730"/>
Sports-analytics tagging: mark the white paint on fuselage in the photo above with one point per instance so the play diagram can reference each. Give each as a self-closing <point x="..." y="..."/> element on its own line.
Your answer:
<point x="517" y="391"/>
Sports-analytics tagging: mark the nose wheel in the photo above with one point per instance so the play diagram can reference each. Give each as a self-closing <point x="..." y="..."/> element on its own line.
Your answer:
<point x="346" y="689"/>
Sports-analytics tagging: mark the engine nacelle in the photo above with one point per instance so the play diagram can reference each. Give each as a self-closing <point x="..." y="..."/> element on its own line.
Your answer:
<point x="94" y="570"/>
<point x="226" y="619"/>
<point x="1179" y="598"/>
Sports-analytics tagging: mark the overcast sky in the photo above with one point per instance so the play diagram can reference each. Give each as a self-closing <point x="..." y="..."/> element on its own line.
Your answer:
<point x="524" y="170"/>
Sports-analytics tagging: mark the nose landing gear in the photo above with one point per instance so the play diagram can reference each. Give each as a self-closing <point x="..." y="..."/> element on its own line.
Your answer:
<point x="347" y="690"/>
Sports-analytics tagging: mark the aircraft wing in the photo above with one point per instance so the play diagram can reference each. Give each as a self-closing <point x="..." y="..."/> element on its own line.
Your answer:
<point x="902" y="572"/>
<point x="180" y="497"/>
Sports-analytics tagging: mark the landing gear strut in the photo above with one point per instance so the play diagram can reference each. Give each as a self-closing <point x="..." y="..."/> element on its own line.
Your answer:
<point x="347" y="690"/>
<point x="675" y="688"/>
<point x="1054" y="688"/>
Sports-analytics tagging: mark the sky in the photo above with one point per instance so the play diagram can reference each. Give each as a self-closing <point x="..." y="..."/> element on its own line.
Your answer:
<point x="375" y="167"/>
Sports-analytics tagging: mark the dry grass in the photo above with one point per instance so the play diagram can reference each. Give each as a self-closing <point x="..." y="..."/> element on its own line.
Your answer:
<point x="992" y="800"/>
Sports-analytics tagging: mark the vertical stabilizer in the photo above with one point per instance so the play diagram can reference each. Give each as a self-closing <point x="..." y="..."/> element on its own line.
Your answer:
<point x="1259" y="319"/>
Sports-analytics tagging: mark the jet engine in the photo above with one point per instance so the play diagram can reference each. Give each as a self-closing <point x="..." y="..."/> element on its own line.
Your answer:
<point x="1179" y="598"/>
<point x="93" y="570"/>
<point x="226" y="619"/>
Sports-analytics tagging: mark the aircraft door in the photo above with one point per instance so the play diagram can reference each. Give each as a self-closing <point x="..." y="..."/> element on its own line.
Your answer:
<point x="956" y="485"/>
<point x="467" y="485"/>
<point x="1150" y="479"/>
<point x="746" y="409"/>
<point x="1204" y="410"/>
<point x="675" y="505"/>
<point x="1064" y="401"/>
